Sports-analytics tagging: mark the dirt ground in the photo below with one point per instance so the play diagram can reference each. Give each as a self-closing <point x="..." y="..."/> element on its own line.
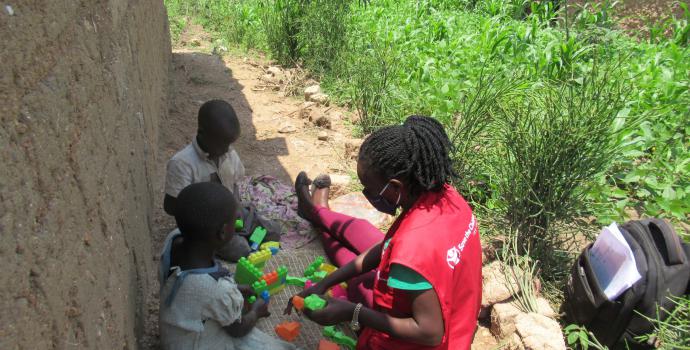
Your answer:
<point x="198" y="75"/>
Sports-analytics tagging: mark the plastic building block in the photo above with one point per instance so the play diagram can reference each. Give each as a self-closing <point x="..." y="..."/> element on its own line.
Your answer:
<point x="246" y="273"/>
<point x="338" y="292"/>
<point x="260" y="258"/>
<point x="298" y="302"/>
<point x="288" y="331"/>
<point x="295" y="281"/>
<point x="276" y="280"/>
<point x="314" y="266"/>
<point x="252" y="299"/>
<point x="328" y="345"/>
<point x="314" y="302"/>
<point x="339" y="337"/>
<point x="257" y="237"/>
<point x="274" y="251"/>
<point x="318" y="276"/>
<point x="308" y="284"/>
<point x="259" y="287"/>
<point x="265" y="296"/>
<point x="239" y="224"/>
<point x="269" y="245"/>
<point x="328" y="268"/>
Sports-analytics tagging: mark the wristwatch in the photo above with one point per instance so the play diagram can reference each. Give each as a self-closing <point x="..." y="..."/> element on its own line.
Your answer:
<point x="354" y="324"/>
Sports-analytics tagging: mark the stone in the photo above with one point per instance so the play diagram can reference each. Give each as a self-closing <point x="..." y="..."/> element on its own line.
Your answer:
<point x="352" y="148"/>
<point x="287" y="128"/>
<point x="495" y="288"/>
<point x="323" y="122"/>
<point x="195" y="42"/>
<point x="319" y="98"/>
<point x="275" y="71"/>
<point x="323" y="136"/>
<point x="483" y="339"/>
<point x="269" y="78"/>
<point x="539" y="332"/>
<point x="311" y="90"/>
<point x="544" y="308"/>
<point x="356" y="205"/>
<point x="513" y="342"/>
<point x="503" y="317"/>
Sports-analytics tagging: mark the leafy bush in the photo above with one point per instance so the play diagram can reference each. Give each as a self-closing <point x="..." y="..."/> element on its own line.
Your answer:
<point x="324" y="34"/>
<point x="554" y="138"/>
<point x="282" y="23"/>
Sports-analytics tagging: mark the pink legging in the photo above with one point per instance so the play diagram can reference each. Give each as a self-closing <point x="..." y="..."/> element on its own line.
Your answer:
<point x="344" y="238"/>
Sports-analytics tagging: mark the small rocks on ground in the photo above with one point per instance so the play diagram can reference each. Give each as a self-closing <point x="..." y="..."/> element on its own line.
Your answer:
<point x="273" y="70"/>
<point x="287" y="128"/>
<point x="352" y="148"/>
<point x="320" y="98"/>
<point x="323" y="136"/>
<point x="311" y="90"/>
<point x="539" y="332"/>
<point x="503" y="317"/>
<point x="323" y="122"/>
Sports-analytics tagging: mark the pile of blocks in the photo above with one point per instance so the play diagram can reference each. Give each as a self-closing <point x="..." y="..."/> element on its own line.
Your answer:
<point x="250" y="272"/>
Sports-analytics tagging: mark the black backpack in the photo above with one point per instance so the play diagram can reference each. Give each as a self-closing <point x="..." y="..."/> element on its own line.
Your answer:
<point x="662" y="260"/>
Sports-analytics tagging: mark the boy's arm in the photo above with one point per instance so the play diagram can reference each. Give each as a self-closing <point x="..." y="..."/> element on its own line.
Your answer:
<point x="242" y="327"/>
<point x="178" y="176"/>
<point x="169" y="204"/>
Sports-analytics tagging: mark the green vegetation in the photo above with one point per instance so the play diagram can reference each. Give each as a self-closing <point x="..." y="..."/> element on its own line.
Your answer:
<point x="674" y="331"/>
<point x="553" y="117"/>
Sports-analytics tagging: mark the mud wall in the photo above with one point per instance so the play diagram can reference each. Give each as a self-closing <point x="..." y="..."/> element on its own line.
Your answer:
<point x="82" y="87"/>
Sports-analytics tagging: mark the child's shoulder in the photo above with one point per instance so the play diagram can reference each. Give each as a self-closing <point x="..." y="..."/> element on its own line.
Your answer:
<point x="187" y="154"/>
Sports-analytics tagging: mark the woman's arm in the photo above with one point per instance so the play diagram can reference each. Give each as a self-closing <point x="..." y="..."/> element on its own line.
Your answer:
<point x="425" y="327"/>
<point x="365" y="262"/>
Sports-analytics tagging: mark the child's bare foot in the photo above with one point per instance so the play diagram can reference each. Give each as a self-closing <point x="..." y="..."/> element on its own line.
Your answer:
<point x="319" y="196"/>
<point x="305" y="206"/>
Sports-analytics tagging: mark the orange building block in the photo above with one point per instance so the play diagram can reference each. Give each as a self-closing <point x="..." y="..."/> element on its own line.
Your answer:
<point x="328" y="345"/>
<point x="270" y="277"/>
<point x="288" y="331"/>
<point x="298" y="302"/>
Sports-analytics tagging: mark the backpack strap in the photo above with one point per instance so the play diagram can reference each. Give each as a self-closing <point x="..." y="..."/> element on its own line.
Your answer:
<point x="667" y="241"/>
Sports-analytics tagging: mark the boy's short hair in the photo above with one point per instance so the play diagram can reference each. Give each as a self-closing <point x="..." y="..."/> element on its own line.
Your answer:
<point x="218" y="114"/>
<point x="203" y="208"/>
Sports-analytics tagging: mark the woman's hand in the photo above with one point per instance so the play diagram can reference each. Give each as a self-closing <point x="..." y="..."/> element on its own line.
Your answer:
<point x="336" y="311"/>
<point x="318" y="288"/>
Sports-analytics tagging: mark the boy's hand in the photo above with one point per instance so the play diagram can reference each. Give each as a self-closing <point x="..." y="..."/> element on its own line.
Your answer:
<point x="260" y="306"/>
<point x="315" y="289"/>
<point x="246" y="290"/>
<point x="336" y="311"/>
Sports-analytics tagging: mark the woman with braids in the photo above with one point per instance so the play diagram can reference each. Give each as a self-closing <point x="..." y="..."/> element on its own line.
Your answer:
<point x="425" y="273"/>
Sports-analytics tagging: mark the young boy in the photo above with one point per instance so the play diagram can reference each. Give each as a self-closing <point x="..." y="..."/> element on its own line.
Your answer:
<point x="209" y="158"/>
<point x="201" y="307"/>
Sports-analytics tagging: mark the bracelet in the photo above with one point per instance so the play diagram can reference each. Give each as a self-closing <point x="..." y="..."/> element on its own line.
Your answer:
<point x="354" y="324"/>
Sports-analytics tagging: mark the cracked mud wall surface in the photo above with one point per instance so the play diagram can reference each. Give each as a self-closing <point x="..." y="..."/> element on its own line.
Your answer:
<point x="83" y="85"/>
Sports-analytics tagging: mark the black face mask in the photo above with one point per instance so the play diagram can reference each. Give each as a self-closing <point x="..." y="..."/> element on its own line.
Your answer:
<point x="381" y="203"/>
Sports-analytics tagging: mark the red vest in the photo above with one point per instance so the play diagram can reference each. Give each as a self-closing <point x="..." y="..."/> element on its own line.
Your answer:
<point x="439" y="239"/>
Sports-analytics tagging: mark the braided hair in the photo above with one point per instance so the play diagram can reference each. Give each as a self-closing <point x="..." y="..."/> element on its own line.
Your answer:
<point x="418" y="151"/>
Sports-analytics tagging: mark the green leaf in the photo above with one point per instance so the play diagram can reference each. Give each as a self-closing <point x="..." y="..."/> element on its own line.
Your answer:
<point x="572" y="338"/>
<point x="445" y="88"/>
<point x="669" y="193"/>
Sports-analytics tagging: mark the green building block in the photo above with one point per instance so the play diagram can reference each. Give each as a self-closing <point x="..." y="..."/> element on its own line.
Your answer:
<point x="314" y="266"/>
<point x="252" y="299"/>
<point x="318" y="276"/>
<point x="246" y="273"/>
<point x="339" y="337"/>
<point x="314" y="302"/>
<point x="259" y="287"/>
<point x="239" y="224"/>
<point x="296" y="281"/>
<point x="257" y="237"/>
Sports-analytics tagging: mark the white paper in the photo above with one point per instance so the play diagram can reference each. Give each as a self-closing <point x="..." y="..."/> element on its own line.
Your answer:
<point x="613" y="262"/>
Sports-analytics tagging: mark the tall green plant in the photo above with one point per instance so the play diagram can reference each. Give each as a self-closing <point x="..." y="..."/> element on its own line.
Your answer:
<point x="323" y="34"/>
<point x="282" y="23"/>
<point x="555" y="138"/>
